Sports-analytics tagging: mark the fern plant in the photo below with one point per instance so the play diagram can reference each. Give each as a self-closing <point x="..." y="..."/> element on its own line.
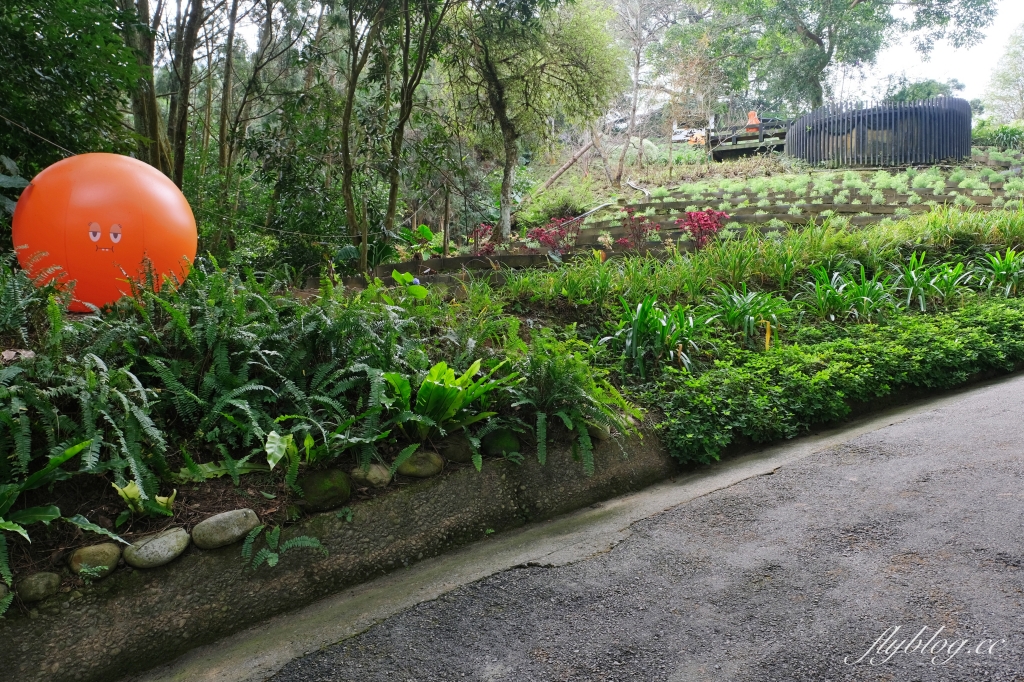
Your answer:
<point x="558" y="383"/>
<point x="271" y="553"/>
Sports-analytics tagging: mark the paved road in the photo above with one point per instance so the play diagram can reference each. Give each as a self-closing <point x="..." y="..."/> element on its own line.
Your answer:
<point x="791" y="576"/>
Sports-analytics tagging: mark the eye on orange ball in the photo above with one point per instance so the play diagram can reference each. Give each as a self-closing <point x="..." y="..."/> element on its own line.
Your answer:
<point x="99" y="217"/>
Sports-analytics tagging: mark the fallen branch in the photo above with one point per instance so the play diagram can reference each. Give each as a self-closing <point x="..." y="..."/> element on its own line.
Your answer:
<point x="566" y="166"/>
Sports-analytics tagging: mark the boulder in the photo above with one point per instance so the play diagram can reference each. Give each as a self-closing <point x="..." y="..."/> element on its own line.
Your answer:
<point x="456" y="448"/>
<point x="323" y="490"/>
<point x="38" y="586"/>
<point x="377" y="476"/>
<point x="499" y="442"/>
<point x="157" y="550"/>
<point x="224" y="529"/>
<point x="422" y="464"/>
<point x="103" y="558"/>
<point x="598" y="432"/>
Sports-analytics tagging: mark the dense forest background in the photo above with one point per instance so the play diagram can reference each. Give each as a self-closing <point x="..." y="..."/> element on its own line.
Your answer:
<point x="311" y="135"/>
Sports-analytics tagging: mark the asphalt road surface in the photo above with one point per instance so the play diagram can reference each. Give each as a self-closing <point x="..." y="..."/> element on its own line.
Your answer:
<point x="799" y="575"/>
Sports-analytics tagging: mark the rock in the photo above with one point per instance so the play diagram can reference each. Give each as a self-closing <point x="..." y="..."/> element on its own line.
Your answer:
<point x="323" y="490"/>
<point x="422" y="464"/>
<point x="157" y="550"/>
<point x="103" y="558"/>
<point x="599" y="432"/>
<point x="224" y="529"/>
<point x="456" y="448"/>
<point x="377" y="476"/>
<point x="499" y="442"/>
<point x="38" y="586"/>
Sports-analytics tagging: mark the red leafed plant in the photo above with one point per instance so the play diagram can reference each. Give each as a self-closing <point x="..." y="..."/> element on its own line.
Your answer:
<point x="702" y="225"/>
<point x="637" y="228"/>
<point x="481" y="237"/>
<point x="558" y="235"/>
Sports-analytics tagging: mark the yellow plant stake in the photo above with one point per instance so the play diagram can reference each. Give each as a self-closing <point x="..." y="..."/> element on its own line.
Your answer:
<point x="767" y="334"/>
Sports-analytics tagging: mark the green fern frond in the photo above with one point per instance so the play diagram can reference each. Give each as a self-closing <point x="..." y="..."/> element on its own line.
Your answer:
<point x="404" y="456"/>
<point x="291" y="477"/>
<point x="5" y="568"/>
<point x="264" y="556"/>
<point x="250" y="540"/>
<point x="586" y="447"/>
<point x="303" y="541"/>
<point x="273" y="537"/>
<point x="191" y="465"/>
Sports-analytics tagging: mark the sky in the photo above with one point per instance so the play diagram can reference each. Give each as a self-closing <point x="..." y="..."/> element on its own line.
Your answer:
<point x="972" y="67"/>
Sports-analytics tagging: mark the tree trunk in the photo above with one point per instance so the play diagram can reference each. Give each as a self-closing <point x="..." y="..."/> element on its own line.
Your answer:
<point x="208" y="111"/>
<point x="240" y="123"/>
<point x="422" y="40"/>
<point x="177" y="124"/>
<point x="508" y="179"/>
<point x="566" y="166"/>
<point x="446" y="218"/>
<point x="617" y="180"/>
<point x="359" y="47"/>
<point x="152" y="147"/>
<point x="817" y="92"/>
<point x="671" y="160"/>
<point x="225" y="99"/>
<point x="600" y="152"/>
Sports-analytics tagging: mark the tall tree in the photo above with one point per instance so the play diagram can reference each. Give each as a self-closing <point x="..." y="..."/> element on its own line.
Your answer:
<point x="140" y="34"/>
<point x="228" y="78"/>
<point x="639" y="23"/>
<point x="521" y="64"/>
<point x="183" y="48"/>
<point x="413" y="36"/>
<point x="793" y="43"/>
<point x="363" y="21"/>
<point x="1005" y="95"/>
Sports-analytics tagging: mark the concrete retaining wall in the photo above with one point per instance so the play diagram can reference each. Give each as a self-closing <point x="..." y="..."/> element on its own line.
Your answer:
<point x="138" y="619"/>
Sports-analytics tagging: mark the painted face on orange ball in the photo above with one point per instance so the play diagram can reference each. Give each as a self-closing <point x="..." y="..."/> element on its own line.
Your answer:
<point x="100" y="217"/>
<point x="96" y="231"/>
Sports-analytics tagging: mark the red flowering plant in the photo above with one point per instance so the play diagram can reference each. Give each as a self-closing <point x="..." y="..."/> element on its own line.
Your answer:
<point x="702" y="225"/>
<point x="559" y="235"/>
<point x="638" y="228"/>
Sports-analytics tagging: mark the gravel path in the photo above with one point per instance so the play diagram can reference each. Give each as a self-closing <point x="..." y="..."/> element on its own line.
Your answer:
<point x="788" y="577"/>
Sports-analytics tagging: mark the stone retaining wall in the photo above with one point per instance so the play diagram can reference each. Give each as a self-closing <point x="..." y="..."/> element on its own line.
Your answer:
<point x="137" y="619"/>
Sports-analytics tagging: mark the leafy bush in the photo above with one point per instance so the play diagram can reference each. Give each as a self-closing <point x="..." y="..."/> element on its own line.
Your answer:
<point x="702" y="225"/>
<point x="787" y="390"/>
<point x="1004" y="137"/>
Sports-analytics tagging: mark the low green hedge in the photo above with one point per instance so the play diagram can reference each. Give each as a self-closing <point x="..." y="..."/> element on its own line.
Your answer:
<point x="820" y="374"/>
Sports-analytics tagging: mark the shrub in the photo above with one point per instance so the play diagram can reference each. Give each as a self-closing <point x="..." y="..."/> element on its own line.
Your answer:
<point x="559" y="235"/>
<point x="638" y="229"/>
<point x="702" y="225"/>
<point x="784" y="392"/>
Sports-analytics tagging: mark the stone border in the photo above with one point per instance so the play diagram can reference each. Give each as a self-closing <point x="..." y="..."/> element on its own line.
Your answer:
<point x="138" y="619"/>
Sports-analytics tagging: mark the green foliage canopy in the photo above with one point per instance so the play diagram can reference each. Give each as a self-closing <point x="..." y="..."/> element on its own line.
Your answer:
<point x="66" y="70"/>
<point x="791" y="44"/>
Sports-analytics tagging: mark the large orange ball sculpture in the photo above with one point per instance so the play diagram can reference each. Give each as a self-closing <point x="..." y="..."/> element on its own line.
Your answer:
<point x="99" y="217"/>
